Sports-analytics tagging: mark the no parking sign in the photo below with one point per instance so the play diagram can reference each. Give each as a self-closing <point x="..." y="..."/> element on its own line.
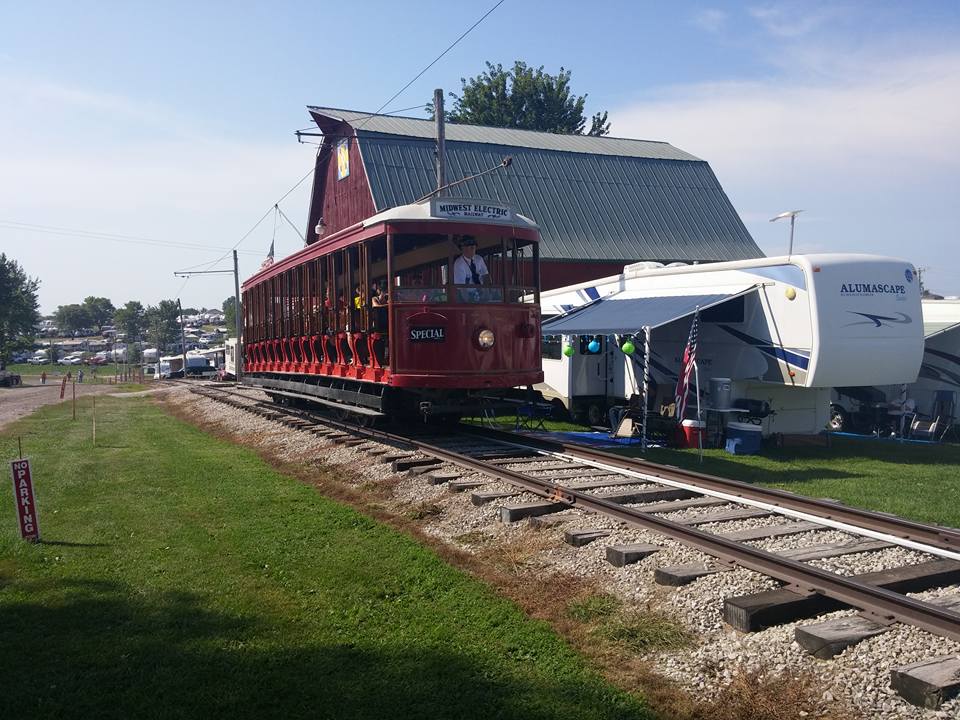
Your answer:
<point x="25" y="501"/>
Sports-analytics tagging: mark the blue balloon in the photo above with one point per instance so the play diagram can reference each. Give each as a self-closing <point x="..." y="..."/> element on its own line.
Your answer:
<point x="594" y="346"/>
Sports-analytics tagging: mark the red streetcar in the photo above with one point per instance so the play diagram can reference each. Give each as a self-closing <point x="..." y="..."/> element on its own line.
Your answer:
<point x="417" y="310"/>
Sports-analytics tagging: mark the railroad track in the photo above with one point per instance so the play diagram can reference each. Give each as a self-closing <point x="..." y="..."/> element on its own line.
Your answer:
<point x="644" y="495"/>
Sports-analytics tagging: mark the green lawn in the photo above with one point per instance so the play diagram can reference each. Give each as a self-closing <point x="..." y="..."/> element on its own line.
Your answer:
<point x="921" y="482"/>
<point x="180" y="576"/>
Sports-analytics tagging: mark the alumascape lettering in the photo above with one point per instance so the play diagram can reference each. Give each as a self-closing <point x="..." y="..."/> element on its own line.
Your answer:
<point x="874" y="288"/>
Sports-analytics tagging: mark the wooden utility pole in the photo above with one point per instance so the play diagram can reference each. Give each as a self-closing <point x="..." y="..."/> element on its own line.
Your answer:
<point x="183" y="340"/>
<point x="238" y="360"/>
<point x="441" y="137"/>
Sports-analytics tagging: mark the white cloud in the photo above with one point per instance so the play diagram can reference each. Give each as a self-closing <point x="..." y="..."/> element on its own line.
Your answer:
<point x="792" y="20"/>
<point x="712" y="20"/>
<point x="892" y="112"/>
<point x="870" y="150"/>
<point x="77" y="158"/>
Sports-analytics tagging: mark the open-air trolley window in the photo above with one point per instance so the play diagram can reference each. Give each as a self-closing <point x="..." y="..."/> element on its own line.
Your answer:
<point x="441" y="268"/>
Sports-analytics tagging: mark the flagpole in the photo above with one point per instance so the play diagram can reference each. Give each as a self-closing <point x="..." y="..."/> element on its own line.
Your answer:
<point x="700" y="429"/>
<point x="646" y="383"/>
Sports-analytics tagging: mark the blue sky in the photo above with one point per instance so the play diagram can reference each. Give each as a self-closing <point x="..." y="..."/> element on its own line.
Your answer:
<point x="174" y="121"/>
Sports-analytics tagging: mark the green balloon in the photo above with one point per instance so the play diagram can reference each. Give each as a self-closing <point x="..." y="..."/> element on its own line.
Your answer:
<point x="628" y="347"/>
<point x="568" y="350"/>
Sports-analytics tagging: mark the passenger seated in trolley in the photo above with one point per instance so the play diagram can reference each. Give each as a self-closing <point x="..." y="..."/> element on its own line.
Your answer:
<point x="469" y="269"/>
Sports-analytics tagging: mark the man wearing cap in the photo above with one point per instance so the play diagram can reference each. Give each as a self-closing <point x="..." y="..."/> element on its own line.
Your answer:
<point x="468" y="269"/>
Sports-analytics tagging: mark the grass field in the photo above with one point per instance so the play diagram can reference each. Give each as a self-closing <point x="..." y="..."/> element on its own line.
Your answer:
<point x="908" y="479"/>
<point x="180" y="576"/>
<point x="921" y="482"/>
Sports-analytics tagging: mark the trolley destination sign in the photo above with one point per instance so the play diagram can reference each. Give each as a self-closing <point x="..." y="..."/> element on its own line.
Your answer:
<point x="25" y="500"/>
<point x="472" y="209"/>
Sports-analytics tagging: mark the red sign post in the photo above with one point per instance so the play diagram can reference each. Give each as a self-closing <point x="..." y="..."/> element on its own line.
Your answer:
<point x="25" y="501"/>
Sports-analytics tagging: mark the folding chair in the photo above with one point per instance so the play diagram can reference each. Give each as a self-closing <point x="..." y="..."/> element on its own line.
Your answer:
<point x="944" y="407"/>
<point x="925" y="428"/>
<point x="530" y="416"/>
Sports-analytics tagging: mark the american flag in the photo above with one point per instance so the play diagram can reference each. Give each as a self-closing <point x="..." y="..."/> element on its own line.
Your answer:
<point x="269" y="259"/>
<point x="686" y="367"/>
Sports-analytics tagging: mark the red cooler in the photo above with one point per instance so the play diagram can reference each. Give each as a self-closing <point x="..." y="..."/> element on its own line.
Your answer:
<point x="692" y="432"/>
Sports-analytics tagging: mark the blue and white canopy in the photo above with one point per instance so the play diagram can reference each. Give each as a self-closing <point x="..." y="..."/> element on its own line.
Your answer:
<point x="630" y="311"/>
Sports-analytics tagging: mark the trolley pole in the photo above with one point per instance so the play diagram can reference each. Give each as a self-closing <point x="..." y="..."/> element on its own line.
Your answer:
<point x="237" y="317"/>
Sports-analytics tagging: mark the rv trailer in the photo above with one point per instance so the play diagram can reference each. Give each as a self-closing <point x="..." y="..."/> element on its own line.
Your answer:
<point x="934" y="394"/>
<point x="775" y="333"/>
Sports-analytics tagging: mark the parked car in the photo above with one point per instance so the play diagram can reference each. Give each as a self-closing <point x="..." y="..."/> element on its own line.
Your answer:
<point x="38" y="360"/>
<point x="71" y="360"/>
<point x="9" y="379"/>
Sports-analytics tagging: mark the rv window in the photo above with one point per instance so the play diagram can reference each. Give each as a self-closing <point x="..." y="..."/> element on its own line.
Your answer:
<point x="730" y="311"/>
<point x="552" y="347"/>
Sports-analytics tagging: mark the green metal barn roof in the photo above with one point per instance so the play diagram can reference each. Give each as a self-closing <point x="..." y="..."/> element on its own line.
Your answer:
<point x="594" y="198"/>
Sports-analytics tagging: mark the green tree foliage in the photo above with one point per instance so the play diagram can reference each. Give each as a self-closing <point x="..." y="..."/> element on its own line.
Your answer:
<point x="131" y="320"/>
<point x="523" y="97"/>
<point x="19" y="308"/>
<point x="162" y="324"/>
<point x="73" y="318"/>
<point x="100" y="309"/>
<point x="230" y="315"/>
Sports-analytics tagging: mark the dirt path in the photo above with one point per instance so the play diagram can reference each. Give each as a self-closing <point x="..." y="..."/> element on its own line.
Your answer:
<point x="15" y="403"/>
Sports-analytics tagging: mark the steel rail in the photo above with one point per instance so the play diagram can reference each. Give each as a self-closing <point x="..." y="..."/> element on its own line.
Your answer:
<point x="936" y="536"/>
<point x="879" y="603"/>
<point x="882" y="605"/>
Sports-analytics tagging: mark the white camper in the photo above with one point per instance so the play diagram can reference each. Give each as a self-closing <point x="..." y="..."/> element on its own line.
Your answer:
<point x="932" y="398"/>
<point x="780" y="332"/>
<point x="230" y="363"/>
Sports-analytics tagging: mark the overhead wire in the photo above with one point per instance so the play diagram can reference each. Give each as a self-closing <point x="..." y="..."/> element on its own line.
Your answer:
<point x="377" y="112"/>
<point x="113" y="237"/>
<point x="435" y="60"/>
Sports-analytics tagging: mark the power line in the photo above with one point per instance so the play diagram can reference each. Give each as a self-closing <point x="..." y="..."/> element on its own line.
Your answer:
<point x="436" y="59"/>
<point x="113" y="237"/>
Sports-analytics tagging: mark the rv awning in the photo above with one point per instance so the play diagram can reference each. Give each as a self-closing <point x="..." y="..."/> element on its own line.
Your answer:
<point x="624" y="312"/>
<point x="931" y="328"/>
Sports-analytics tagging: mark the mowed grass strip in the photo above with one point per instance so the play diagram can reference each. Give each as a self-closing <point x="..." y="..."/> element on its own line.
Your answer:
<point x="920" y="482"/>
<point x="180" y="576"/>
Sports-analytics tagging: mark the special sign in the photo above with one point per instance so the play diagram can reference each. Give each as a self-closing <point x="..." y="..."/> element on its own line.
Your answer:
<point x="428" y="334"/>
<point x="24" y="499"/>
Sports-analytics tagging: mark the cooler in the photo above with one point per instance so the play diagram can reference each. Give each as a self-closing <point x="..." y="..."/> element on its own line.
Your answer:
<point x="691" y="432"/>
<point x="720" y="392"/>
<point x="744" y="438"/>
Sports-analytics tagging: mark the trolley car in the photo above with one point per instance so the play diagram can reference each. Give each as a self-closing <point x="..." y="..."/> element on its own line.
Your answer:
<point x="371" y="320"/>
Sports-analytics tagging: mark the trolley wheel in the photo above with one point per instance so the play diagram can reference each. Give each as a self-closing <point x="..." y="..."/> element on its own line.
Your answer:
<point x="838" y="418"/>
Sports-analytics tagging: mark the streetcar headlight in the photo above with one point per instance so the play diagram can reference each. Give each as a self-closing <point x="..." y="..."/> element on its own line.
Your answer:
<point x="486" y="338"/>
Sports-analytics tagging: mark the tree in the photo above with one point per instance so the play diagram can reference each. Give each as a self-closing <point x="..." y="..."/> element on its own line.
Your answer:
<point x="100" y="310"/>
<point x="130" y="320"/>
<point x="162" y="324"/>
<point x="73" y="318"/>
<point x="19" y="308"/>
<point x="230" y="315"/>
<point x="523" y="97"/>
